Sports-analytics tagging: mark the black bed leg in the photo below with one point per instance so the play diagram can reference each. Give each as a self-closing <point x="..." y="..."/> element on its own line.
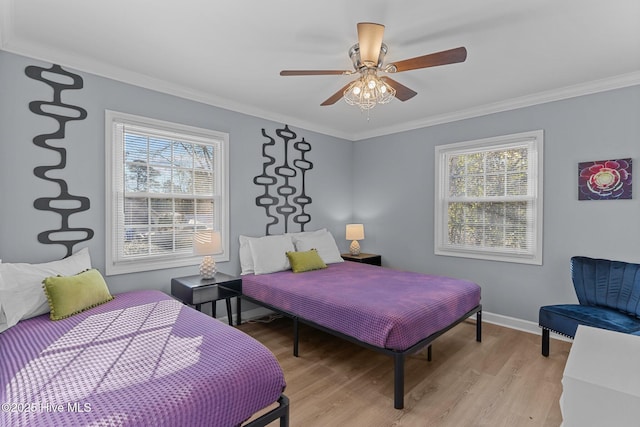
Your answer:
<point x="429" y="353"/>
<point x="295" y="336"/>
<point x="545" y="342"/>
<point x="284" y="419"/>
<point x="281" y="412"/>
<point x="479" y="326"/>
<point x="398" y="381"/>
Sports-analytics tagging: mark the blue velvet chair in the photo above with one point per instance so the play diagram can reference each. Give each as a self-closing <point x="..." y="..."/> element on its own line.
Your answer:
<point x="609" y="297"/>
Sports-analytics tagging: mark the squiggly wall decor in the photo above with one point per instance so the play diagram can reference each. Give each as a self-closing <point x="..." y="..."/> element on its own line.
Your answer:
<point x="284" y="195"/>
<point x="65" y="204"/>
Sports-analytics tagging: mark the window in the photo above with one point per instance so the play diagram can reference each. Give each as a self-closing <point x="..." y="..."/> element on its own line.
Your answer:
<point x="488" y="198"/>
<point x="164" y="181"/>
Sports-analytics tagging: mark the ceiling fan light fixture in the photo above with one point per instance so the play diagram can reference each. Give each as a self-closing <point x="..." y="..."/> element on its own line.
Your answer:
<point x="368" y="91"/>
<point x="368" y="56"/>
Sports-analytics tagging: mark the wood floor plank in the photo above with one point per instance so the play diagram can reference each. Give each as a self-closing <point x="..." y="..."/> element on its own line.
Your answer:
<point x="502" y="381"/>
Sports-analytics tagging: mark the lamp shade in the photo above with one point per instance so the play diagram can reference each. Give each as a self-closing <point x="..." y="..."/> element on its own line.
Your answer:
<point x="355" y="232"/>
<point x="207" y="242"/>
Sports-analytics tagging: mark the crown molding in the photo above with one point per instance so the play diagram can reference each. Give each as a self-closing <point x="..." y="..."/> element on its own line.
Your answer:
<point x="573" y="91"/>
<point x="115" y="73"/>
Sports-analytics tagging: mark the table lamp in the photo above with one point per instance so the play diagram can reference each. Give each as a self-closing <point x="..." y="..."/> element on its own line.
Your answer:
<point x="354" y="233"/>
<point x="207" y="243"/>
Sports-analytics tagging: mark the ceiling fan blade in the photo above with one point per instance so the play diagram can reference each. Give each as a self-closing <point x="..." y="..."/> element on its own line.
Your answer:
<point x="313" y="72"/>
<point x="336" y="96"/>
<point x="403" y="93"/>
<point x="370" y="40"/>
<point x="450" y="56"/>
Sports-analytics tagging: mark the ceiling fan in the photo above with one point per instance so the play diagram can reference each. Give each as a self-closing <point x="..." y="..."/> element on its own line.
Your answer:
<point x="368" y="60"/>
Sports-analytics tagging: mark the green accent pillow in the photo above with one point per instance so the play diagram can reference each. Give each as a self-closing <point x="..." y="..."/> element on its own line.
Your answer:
<point x="305" y="261"/>
<point x="69" y="295"/>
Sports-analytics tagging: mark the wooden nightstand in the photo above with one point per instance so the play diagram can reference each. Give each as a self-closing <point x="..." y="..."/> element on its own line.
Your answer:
<point x="195" y="290"/>
<point x="372" y="259"/>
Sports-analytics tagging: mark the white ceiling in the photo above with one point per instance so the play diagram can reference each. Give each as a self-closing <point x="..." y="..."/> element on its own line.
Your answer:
<point x="229" y="53"/>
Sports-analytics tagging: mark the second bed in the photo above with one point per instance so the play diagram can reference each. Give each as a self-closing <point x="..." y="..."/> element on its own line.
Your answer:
<point x="390" y="311"/>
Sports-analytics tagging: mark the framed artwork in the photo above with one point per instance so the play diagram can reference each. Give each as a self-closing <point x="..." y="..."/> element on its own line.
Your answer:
<point x="604" y="180"/>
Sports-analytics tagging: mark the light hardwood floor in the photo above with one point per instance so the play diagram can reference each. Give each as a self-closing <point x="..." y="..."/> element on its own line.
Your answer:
<point x="502" y="381"/>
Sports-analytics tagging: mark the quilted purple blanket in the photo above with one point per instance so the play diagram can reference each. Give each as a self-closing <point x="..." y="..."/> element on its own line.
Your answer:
<point x="141" y="359"/>
<point x="382" y="307"/>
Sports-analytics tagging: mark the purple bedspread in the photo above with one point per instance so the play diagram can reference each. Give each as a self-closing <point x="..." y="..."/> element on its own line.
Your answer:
<point x="383" y="307"/>
<point x="141" y="359"/>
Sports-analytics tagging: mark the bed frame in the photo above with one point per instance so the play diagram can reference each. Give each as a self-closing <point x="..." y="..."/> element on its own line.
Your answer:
<point x="280" y="412"/>
<point x="398" y="355"/>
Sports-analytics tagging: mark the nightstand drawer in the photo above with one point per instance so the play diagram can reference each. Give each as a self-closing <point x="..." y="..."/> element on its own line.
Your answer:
<point x="210" y="293"/>
<point x="194" y="290"/>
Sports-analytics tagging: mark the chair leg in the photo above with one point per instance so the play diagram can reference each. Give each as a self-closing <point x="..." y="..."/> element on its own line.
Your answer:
<point x="545" y="342"/>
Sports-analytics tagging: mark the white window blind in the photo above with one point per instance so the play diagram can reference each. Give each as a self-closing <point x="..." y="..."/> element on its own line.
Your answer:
<point x="165" y="181"/>
<point x="489" y="198"/>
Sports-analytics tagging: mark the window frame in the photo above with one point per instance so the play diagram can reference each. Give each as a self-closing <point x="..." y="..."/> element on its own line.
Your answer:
<point x="114" y="191"/>
<point x="442" y="246"/>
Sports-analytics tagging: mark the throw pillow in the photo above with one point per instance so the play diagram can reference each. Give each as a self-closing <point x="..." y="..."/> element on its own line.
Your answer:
<point x="305" y="261"/>
<point x="68" y="295"/>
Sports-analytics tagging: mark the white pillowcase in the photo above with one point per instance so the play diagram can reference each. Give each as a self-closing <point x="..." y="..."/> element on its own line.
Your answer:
<point x="3" y="317"/>
<point x="323" y="242"/>
<point x="21" y="290"/>
<point x="246" y="258"/>
<point x="299" y="234"/>
<point x="270" y="253"/>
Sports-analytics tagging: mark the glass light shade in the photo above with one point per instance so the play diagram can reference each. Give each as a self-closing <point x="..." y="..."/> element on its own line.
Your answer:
<point x="373" y="33"/>
<point x="355" y="232"/>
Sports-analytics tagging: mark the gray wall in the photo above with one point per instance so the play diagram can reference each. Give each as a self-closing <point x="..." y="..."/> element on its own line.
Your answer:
<point x="385" y="182"/>
<point x="20" y="222"/>
<point x="393" y="197"/>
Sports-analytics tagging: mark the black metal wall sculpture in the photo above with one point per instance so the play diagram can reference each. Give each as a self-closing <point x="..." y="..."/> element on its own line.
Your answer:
<point x="65" y="204"/>
<point x="287" y="180"/>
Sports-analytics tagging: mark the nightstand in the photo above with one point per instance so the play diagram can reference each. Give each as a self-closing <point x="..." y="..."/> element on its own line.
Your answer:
<point x="372" y="259"/>
<point x="195" y="290"/>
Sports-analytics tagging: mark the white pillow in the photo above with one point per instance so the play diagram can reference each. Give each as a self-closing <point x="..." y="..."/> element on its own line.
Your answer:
<point x="3" y="317"/>
<point x="21" y="286"/>
<point x="324" y="242"/>
<point x="299" y="234"/>
<point x="270" y="253"/>
<point x="246" y="259"/>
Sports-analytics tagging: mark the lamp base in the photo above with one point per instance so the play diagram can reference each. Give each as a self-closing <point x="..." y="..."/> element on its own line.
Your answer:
<point x="354" y="249"/>
<point x="208" y="267"/>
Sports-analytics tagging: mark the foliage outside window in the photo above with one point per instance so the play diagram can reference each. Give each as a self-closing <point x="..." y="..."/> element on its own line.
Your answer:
<point x="488" y="198"/>
<point x="165" y="182"/>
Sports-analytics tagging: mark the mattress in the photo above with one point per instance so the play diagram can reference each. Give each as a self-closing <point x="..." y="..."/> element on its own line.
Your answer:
<point x="140" y="359"/>
<point x="383" y="307"/>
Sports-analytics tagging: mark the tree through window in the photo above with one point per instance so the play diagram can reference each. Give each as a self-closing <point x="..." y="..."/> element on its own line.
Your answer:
<point x="167" y="182"/>
<point x="489" y="198"/>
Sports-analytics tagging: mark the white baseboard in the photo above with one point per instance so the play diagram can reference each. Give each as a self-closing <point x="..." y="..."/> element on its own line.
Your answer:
<point x="518" y="324"/>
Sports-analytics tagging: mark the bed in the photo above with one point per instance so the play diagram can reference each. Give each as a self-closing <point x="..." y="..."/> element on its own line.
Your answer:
<point x="139" y="359"/>
<point x="393" y="312"/>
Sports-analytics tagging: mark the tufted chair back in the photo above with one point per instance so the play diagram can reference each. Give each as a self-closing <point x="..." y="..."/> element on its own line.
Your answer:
<point x="613" y="284"/>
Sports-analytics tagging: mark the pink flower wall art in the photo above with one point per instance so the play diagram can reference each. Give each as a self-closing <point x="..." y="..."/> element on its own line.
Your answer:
<point x="604" y="180"/>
